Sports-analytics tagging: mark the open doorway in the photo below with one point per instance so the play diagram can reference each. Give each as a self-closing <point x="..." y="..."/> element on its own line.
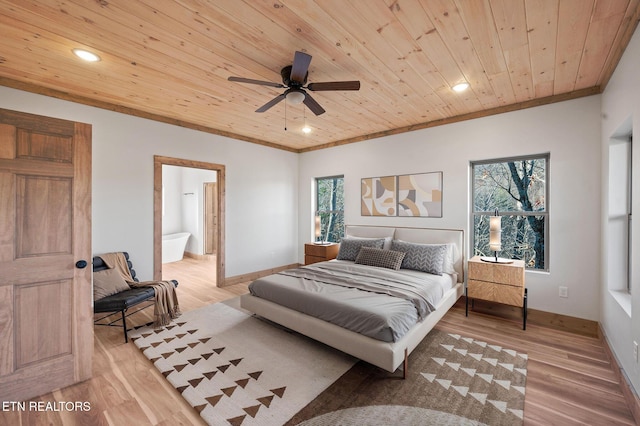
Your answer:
<point x="203" y="211"/>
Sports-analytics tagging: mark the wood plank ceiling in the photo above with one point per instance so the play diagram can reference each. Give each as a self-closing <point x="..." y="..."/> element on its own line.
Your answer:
<point x="170" y="60"/>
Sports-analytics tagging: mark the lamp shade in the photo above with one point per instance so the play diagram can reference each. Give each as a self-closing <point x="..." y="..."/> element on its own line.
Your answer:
<point x="295" y="97"/>
<point x="495" y="233"/>
<point x="318" y="227"/>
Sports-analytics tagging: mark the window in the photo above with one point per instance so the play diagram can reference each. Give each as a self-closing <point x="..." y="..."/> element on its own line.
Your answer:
<point x="619" y="253"/>
<point x="517" y="188"/>
<point x="330" y="207"/>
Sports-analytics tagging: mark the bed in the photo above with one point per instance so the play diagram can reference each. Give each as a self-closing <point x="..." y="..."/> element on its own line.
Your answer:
<point x="387" y="349"/>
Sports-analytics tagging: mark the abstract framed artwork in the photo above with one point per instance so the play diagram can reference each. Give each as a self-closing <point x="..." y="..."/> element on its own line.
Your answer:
<point x="378" y="196"/>
<point x="414" y="195"/>
<point x="420" y="195"/>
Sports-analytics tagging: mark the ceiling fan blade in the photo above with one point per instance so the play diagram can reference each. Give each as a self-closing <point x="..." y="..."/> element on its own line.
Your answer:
<point x="334" y="85"/>
<point x="313" y="105"/>
<point x="271" y="103"/>
<point x="300" y="67"/>
<point x="252" y="81"/>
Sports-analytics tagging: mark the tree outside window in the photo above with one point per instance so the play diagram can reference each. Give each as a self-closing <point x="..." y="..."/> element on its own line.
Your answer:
<point x="517" y="188"/>
<point x="330" y="207"/>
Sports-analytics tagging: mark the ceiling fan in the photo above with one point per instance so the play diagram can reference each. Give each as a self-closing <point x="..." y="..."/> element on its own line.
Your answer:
<point x="294" y="78"/>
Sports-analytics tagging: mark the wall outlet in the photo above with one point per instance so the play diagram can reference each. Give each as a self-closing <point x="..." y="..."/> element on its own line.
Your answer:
<point x="635" y="351"/>
<point x="563" y="291"/>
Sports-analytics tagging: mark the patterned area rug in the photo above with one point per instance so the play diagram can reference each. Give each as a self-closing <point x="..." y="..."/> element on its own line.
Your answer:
<point x="452" y="380"/>
<point x="239" y="370"/>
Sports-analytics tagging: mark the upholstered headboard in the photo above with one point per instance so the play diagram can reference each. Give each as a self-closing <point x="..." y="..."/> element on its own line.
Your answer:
<point x="416" y="235"/>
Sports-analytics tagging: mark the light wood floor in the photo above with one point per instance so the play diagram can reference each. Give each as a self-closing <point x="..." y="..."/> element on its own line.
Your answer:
<point x="570" y="380"/>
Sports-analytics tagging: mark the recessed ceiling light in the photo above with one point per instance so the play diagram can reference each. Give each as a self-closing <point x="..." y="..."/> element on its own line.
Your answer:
<point x="461" y="87"/>
<point x="306" y="129"/>
<point x="86" y="55"/>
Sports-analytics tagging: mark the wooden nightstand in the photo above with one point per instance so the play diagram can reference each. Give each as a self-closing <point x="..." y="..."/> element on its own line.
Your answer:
<point x="497" y="282"/>
<point x="319" y="252"/>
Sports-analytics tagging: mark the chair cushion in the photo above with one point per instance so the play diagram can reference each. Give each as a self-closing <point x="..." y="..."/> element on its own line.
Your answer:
<point x="124" y="299"/>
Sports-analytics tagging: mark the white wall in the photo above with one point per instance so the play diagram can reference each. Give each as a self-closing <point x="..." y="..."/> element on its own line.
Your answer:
<point x="621" y="110"/>
<point x="192" y="201"/>
<point x="569" y="131"/>
<point x="261" y="184"/>
<point x="172" y="203"/>
<point x="184" y="203"/>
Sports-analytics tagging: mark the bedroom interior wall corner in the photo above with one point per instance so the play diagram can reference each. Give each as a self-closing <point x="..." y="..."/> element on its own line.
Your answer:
<point x="261" y="226"/>
<point x="570" y="134"/>
<point x="621" y="103"/>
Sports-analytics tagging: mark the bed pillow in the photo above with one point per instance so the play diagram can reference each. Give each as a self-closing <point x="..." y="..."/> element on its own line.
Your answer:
<point x="108" y="282"/>
<point x="450" y="258"/>
<point x="422" y="257"/>
<point x="350" y="247"/>
<point x="386" y="245"/>
<point x="381" y="258"/>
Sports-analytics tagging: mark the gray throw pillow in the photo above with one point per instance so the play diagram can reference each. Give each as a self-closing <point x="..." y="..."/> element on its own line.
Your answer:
<point x="421" y="257"/>
<point x="381" y="258"/>
<point x="350" y="247"/>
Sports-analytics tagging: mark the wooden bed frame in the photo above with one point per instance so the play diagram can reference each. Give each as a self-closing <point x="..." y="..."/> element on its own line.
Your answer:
<point x="386" y="355"/>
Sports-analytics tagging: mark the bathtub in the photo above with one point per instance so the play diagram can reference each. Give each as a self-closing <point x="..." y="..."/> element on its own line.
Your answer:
<point x="173" y="246"/>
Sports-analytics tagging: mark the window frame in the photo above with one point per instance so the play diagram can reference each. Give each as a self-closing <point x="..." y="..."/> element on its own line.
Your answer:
<point x="318" y="212"/>
<point x="629" y="217"/>
<point x="545" y="213"/>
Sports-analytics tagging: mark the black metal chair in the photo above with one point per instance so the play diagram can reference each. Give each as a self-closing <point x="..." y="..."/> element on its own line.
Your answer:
<point x="123" y="301"/>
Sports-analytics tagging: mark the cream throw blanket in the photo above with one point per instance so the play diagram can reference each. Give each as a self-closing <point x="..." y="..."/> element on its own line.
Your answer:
<point x="166" y="301"/>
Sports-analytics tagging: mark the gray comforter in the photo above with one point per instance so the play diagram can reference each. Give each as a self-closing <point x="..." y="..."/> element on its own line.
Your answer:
<point x="376" y="302"/>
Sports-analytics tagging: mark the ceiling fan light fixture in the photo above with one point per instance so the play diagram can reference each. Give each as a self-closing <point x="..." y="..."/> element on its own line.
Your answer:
<point x="294" y="78"/>
<point x="295" y="97"/>
<point x="86" y="55"/>
<point x="460" y="87"/>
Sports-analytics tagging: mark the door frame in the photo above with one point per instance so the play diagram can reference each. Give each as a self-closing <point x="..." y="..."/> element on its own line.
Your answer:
<point x="158" y="162"/>
<point x="210" y="196"/>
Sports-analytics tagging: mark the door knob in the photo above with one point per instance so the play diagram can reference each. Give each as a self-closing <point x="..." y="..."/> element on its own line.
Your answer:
<point x="81" y="264"/>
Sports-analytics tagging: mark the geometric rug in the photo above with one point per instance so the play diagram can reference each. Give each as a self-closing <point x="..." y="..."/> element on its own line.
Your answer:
<point x="452" y="380"/>
<point x="236" y="369"/>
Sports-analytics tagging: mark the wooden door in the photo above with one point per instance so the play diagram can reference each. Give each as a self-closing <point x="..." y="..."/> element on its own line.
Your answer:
<point x="210" y="217"/>
<point x="46" y="315"/>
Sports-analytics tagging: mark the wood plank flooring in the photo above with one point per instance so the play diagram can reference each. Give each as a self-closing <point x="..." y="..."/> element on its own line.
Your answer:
<point x="570" y="379"/>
